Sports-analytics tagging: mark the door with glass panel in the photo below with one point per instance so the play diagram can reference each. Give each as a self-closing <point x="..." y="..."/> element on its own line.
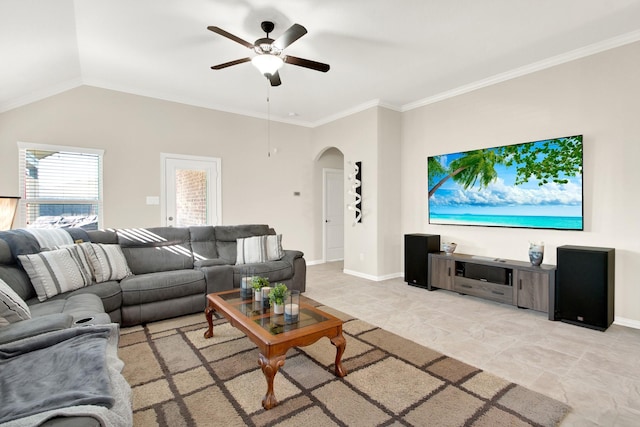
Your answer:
<point x="191" y="191"/>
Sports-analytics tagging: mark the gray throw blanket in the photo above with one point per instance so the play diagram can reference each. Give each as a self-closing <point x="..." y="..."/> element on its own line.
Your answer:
<point x="55" y="370"/>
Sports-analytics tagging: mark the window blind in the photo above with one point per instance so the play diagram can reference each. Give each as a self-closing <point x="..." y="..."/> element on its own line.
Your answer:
<point x="60" y="186"/>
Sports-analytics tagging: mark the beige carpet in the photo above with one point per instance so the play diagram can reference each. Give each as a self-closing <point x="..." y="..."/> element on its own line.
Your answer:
<point x="181" y="379"/>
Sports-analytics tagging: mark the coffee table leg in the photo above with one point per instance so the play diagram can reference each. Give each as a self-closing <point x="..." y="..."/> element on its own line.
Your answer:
<point x="270" y="369"/>
<point x="208" y="312"/>
<point x="340" y="344"/>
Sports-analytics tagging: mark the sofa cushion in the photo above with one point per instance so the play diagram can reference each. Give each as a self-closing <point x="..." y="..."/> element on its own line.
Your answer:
<point x="18" y="280"/>
<point x="210" y="262"/>
<point x="109" y="292"/>
<point x="167" y="285"/>
<point x="12" y="308"/>
<point x="58" y="271"/>
<point x="107" y="261"/>
<point x="203" y="242"/>
<point x="274" y="270"/>
<point x="151" y="250"/>
<point x="78" y="306"/>
<point x="109" y="237"/>
<point x="5" y="253"/>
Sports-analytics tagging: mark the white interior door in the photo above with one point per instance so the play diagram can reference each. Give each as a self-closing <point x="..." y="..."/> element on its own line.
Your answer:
<point x="191" y="190"/>
<point x="333" y="214"/>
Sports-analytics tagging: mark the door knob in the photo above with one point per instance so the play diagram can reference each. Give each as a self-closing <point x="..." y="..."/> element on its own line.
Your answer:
<point x="170" y="218"/>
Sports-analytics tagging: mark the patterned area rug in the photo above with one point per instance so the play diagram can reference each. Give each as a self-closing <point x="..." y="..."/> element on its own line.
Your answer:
<point x="181" y="379"/>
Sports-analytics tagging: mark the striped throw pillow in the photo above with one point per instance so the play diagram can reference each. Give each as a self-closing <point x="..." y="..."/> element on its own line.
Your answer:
<point x="259" y="249"/>
<point x="58" y="271"/>
<point x="274" y="247"/>
<point x="12" y="307"/>
<point x="107" y="261"/>
<point x="251" y="250"/>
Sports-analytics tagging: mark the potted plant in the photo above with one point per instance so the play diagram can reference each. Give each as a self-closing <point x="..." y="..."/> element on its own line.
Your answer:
<point x="257" y="283"/>
<point x="277" y="297"/>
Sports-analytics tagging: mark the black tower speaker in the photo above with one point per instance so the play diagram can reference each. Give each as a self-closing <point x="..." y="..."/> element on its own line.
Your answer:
<point x="585" y="286"/>
<point x="416" y="253"/>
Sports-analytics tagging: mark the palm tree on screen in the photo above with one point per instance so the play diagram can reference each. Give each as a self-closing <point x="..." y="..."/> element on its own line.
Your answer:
<point x="552" y="160"/>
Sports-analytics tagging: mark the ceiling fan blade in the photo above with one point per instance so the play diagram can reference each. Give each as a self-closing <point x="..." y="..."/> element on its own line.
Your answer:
<point x="307" y="63"/>
<point x="228" y="35"/>
<point x="230" y="63"/>
<point x="274" y="79"/>
<point x="292" y="34"/>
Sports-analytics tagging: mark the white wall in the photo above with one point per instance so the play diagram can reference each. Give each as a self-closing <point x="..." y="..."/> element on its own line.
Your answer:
<point x="390" y="239"/>
<point x="373" y="247"/>
<point x="134" y="130"/>
<point x="596" y="96"/>
<point x="356" y="137"/>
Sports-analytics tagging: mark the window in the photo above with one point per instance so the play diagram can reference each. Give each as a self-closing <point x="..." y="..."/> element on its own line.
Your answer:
<point x="60" y="186"/>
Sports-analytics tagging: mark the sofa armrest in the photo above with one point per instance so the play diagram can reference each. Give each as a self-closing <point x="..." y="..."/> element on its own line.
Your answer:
<point x="291" y="255"/>
<point x="209" y="262"/>
<point x="35" y="326"/>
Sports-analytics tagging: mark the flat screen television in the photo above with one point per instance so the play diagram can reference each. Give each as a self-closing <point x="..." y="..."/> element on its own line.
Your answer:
<point x="531" y="185"/>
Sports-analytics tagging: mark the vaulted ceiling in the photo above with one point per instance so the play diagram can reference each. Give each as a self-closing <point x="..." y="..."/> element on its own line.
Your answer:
<point x="399" y="53"/>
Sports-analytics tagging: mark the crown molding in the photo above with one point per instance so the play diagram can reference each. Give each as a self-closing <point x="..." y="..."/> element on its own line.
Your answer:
<point x="573" y="55"/>
<point x="357" y="109"/>
<point x="41" y="94"/>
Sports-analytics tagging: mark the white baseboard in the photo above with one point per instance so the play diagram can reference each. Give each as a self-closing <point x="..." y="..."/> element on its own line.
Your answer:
<point x="630" y="323"/>
<point x="371" y="277"/>
<point x="316" y="262"/>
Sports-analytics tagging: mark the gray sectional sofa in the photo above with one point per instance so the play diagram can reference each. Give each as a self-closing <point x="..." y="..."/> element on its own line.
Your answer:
<point x="149" y="274"/>
<point x="173" y="269"/>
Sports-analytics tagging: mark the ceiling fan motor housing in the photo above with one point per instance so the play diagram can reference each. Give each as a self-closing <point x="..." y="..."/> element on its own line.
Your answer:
<point x="267" y="27"/>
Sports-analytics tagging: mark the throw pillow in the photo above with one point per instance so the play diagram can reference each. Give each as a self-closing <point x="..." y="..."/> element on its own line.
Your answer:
<point x="12" y="307"/>
<point x="259" y="249"/>
<point x="58" y="271"/>
<point x="107" y="261"/>
<point x="274" y="247"/>
<point x="251" y="250"/>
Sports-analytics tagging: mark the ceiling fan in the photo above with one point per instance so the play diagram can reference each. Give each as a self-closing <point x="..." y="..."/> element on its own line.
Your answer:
<point x="270" y="53"/>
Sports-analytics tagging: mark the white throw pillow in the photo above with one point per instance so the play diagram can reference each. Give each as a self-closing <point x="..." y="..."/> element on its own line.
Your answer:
<point x="107" y="261"/>
<point x="12" y="307"/>
<point x="274" y="247"/>
<point x="251" y="250"/>
<point x="259" y="249"/>
<point x="58" y="271"/>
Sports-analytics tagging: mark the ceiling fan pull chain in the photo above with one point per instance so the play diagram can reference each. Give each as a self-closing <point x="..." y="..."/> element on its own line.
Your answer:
<point x="268" y="122"/>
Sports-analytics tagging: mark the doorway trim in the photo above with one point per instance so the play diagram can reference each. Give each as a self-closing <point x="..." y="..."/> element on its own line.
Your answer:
<point x="215" y="162"/>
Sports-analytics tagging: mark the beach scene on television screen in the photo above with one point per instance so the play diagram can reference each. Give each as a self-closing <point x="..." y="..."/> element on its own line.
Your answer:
<point x="532" y="185"/>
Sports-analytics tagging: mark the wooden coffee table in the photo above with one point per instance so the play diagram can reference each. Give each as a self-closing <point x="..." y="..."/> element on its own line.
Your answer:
<point x="273" y="335"/>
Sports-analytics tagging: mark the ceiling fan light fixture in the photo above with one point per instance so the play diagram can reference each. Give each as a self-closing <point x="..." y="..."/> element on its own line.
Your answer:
<point x="267" y="64"/>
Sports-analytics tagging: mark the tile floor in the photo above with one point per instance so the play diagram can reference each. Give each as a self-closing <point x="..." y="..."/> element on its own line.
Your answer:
<point x="596" y="373"/>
